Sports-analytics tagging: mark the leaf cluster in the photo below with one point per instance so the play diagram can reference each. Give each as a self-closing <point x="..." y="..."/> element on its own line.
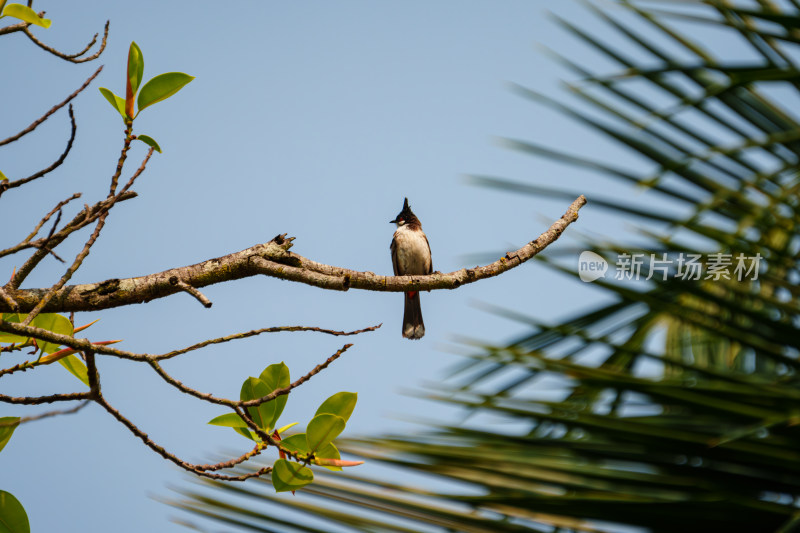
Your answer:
<point x="314" y="446"/>
<point x="155" y="90"/>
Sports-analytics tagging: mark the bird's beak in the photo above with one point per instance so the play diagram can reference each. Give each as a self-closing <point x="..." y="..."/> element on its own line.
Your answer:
<point x="393" y="221"/>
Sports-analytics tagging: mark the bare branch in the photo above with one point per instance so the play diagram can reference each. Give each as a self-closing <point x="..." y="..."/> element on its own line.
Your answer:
<point x="84" y="344"/>
<point x="70" y="271"/>
<point x="81" y="220"/>
<point x="19" y="367"/>
<point x="255" y="332"/>
<point x="46" y="245"/>
<point x="286" y="390"/>
<point x="20" y="26"/>
<point x="185" y="287"/>
<point x="274" y="259"/>
<point x="138" y="171"/>
<point x="188" y="390"/>
<point x="233" y="462"/>
<point x="57" y="163"/>
<point x="101" y="220"/>
<point x="121" y="161"/>
<point x="36" y="400"/>
<point x="55" y="108"/>
<point x="56" y="209"/>
<point x="72" y="58"/>
<point x="200" y="470"/>
<point x="251" y="403"/>
<point x="58" y="412"/>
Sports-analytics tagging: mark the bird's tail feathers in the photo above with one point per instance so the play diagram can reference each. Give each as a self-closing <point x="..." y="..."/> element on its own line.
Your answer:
<point x="413" y="327"/>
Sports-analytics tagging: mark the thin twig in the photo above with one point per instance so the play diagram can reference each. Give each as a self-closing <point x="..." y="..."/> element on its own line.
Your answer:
<point x="150" y="443"/>
<point x="121" y="161"/>
<point x="255" y="332"/>
<point x="19" y="367"/>
<point x="84" y="344"/>
<point x="46" y="243"/>
<point x="70" y="271"/>
<point x="251" y="403"/>
<point x="58" y="412"/>
<point x="285" y="390"/>
<point x="233" y="462"/>
<point x="81" y="220"/>
<point x="56" y="209"/>
<point x="20" y="26"/>
<point x="56" y="163"/>
<point x="55" y="108"/>
<point x="185" y="287"/>
<point x="188" y="390"/>
<point x="72" y="58"/>
<point x="36" y="400"/>
<point x="138" y="172"/>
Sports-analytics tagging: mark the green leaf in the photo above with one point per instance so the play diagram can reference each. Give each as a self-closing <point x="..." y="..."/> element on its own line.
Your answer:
<point x="229" y="420"/>
<point x="287" y="475"/>
<point x="262" y="415"/>
<point x="135" y="67"/>
<point x="149" y="141"/>
<point x="329" y="452"/>
<point x="162" y="87"/>
<point x="340" y="404"/>
<point x="3" y="176"/>
<point x="115" y="101"/>
<point x="323" y="429"/>
<point x="52" y="322"/>
<point x="7" y="426"/>
<point x="76" y="368"/>
<point x="2" y="4"/>
<point x="232" y="420"/>
<point x="296" y="443"/>
<point x="13" y="518"/>
<point x="25" y="14"/>
<point x="11" y="337"/>
<point x="49" y="321"/>
<point x="286" y="427"/>
<point x="276" y="377"/>
<point x="246" y="433"/>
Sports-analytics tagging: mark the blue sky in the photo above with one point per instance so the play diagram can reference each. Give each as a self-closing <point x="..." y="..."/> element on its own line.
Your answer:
<point x="309" y="118"/>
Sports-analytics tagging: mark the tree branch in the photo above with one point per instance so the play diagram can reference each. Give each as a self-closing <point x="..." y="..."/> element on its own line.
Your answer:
<point x="85" y="344"/>
<point x="58" y="412"/>
<point x="55" y="108"/>
<point x="19" y="26"/>
<point x="201" y="470"/>
<point x="273" y="259"/>
<point x="286" y="390"/>
<point x="85" y="217"/>
<point x="72" y="58"/>
<point x="57" y="163"/>
<point x="37" y="400"/>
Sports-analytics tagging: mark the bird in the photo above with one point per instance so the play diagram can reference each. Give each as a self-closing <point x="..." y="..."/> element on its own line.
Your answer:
<point x="411" y="255"/>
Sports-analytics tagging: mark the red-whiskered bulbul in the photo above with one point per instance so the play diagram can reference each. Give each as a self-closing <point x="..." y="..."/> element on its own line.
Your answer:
<point x="411" y="255"/>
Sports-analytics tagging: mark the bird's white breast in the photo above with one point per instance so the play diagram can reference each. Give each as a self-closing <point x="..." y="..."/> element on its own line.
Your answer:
<point x="413" y="252"/>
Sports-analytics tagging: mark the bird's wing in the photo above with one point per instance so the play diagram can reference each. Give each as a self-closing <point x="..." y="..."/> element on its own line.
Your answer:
<point x="393" y="248"/>
<point x="430" y="268"/>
